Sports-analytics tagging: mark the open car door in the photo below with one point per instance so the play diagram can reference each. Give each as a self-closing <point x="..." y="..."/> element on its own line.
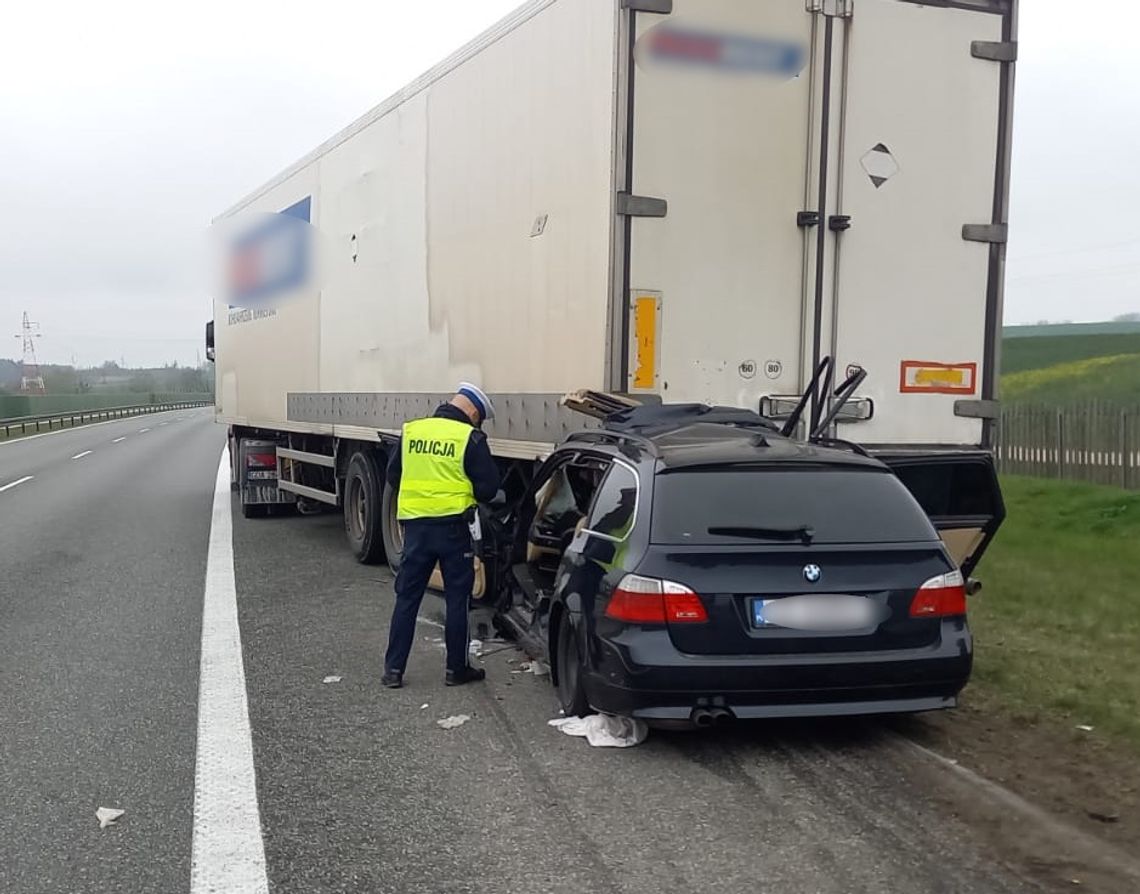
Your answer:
<point x="961" y="496"/>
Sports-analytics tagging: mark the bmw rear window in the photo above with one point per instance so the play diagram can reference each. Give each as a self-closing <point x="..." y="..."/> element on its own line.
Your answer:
<point x="805" y="504"/>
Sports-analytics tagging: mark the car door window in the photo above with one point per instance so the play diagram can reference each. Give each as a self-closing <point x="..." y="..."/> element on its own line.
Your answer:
<point x="554" y="501"/>
<point x="561" y="504"/>
<point x="615" y="507"/>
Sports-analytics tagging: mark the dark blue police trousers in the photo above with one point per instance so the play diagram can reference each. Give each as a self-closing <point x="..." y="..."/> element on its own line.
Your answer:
<point x="426" y="544"/>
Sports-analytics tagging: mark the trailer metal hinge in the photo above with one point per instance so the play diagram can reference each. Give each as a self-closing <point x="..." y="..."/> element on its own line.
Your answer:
<point x="994" y="234"/>
<point x="839" y="223"/>
<point x="660" y="7"/>
<point x="641" y="206"/>
<point x="994" y="50"/>
<point x="840" y="9"/>
<point x="806" y="219"/>
<point x="977" y="409"/>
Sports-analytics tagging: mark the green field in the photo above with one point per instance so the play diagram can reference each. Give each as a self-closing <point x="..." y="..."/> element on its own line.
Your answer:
<point x="1058" y="623"/>
<point x="1021" y="354"/>
<point x="1115" y="379"/>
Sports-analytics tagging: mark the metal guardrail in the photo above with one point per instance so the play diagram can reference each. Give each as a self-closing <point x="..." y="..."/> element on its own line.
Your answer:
<point x="83" y="417"/>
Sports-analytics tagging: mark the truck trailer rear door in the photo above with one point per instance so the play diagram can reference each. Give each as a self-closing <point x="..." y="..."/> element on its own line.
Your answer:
<point x="919" y="253"/>
<point x="717" y="148"/>
<point x="809" y="178"/>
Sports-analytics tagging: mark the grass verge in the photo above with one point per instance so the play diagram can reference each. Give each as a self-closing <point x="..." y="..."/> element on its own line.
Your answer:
<point x="1058" y="624"/>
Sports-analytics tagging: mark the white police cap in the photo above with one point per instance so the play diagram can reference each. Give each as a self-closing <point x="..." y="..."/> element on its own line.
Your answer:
<point x="482" y="402"/>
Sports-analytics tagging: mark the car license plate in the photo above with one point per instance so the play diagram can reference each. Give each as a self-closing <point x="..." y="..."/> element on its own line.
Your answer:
<point x="818" y="612"/>
<point x="758" y="606"/>
<point x="263" y="475"/>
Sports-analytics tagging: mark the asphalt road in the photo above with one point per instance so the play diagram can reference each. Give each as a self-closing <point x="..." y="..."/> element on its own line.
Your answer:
<point x="361" y="790"/>
<point x="102" y="565"/>
<point x="101" y="573"/>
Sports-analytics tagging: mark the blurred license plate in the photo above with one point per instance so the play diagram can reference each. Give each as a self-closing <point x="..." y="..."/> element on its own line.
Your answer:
<point x="264" y="475"/>
<point x="817" y="612"/>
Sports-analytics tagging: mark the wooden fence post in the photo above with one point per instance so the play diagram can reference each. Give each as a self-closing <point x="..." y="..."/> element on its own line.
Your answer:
<point x="1060" y="445"/>
<point x="1125" y="451"/>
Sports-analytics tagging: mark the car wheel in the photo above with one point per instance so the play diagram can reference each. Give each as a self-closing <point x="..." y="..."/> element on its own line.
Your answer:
<point x="362" y="509"/>
<point x="571" y="692"/>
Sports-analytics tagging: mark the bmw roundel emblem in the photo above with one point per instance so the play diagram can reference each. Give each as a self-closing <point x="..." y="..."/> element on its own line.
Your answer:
<point x="813" y="574"/>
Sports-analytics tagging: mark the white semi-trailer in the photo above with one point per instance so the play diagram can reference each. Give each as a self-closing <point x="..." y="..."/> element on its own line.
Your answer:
<point x="674" y="200"/>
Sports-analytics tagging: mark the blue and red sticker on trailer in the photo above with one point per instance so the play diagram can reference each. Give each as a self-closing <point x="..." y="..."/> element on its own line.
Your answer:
<point x="679" y="45"/>
<point x="269" y="258"/>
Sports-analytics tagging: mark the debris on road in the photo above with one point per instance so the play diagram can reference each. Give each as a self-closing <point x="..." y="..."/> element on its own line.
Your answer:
<point x="604" y="730"/>
<point x="475" y="647"/>
<point x="424" y="706"/>
<point x="1102" y="817"/>
<point x="453" y="722"/>
<point x="1084" y="729"/>
<point x="107" y="816"/>
<point x="487" y="653"/>
<point x="332" y="679"/>
<point x="533" y="667"/>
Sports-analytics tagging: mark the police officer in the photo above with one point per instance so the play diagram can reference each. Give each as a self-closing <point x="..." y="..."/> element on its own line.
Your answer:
<point x="442" y="469"/>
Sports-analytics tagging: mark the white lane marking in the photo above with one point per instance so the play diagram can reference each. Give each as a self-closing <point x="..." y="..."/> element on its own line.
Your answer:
<point x="16" y="483"/>
<point x="83" y="454"/>
<point x="118" y="440"/>
<point x="143" y="431"/>
<point x="228" y="853"/>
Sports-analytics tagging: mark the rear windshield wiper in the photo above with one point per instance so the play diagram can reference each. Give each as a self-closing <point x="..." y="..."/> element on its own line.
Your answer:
<point x="804" y="534"/>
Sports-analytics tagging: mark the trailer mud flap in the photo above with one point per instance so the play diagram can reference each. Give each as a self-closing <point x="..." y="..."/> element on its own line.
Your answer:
<point x="961" y="495"/>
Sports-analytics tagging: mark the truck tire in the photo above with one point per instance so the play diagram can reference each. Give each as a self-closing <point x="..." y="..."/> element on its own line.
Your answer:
<point x="362" y="509"/>
<point x="393" y="532"/>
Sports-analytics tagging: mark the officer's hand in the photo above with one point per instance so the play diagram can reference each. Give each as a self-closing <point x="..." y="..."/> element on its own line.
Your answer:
<point x="499" y="500"/>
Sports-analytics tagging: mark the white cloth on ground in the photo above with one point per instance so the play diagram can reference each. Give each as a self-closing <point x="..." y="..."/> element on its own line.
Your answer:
<point x="604" y="730"/>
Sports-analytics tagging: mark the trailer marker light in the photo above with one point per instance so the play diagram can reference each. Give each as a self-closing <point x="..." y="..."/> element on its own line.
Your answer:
<point x="261" y="460"/>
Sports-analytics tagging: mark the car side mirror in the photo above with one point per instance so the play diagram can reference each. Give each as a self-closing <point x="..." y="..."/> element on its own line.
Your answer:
<point x="598" y="549"/>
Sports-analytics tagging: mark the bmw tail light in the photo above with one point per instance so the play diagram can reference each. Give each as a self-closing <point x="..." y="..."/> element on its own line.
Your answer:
<point x="646" y="600"/>
<point x="940" y="597"/>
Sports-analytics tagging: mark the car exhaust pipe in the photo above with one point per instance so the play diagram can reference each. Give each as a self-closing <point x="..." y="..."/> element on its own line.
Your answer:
<point x="722" y="716"/>
<point x="703" y="718"/>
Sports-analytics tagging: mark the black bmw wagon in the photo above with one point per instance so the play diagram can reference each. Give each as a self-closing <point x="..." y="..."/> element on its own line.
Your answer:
<point x="705" y="569"/>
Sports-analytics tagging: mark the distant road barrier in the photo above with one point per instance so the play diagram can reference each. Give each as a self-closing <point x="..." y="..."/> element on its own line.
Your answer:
<point x="1094" y="442"/>
<point x="52" y="421"/>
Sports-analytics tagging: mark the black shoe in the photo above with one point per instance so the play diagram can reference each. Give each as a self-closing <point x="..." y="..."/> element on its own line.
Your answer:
<point x="469" y="674"/>
<point x="392" y="679"/>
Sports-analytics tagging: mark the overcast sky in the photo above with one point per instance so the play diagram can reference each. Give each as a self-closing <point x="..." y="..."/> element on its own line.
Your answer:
<point x="125" y="127"/>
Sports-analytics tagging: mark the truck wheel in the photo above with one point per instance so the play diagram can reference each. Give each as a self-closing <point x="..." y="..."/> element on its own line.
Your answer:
<point x="362" y="509"/>
<point x="393" y="530"/>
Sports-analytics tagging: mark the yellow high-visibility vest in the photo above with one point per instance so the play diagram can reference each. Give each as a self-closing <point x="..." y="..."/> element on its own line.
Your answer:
<point x="434" y="483"/>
